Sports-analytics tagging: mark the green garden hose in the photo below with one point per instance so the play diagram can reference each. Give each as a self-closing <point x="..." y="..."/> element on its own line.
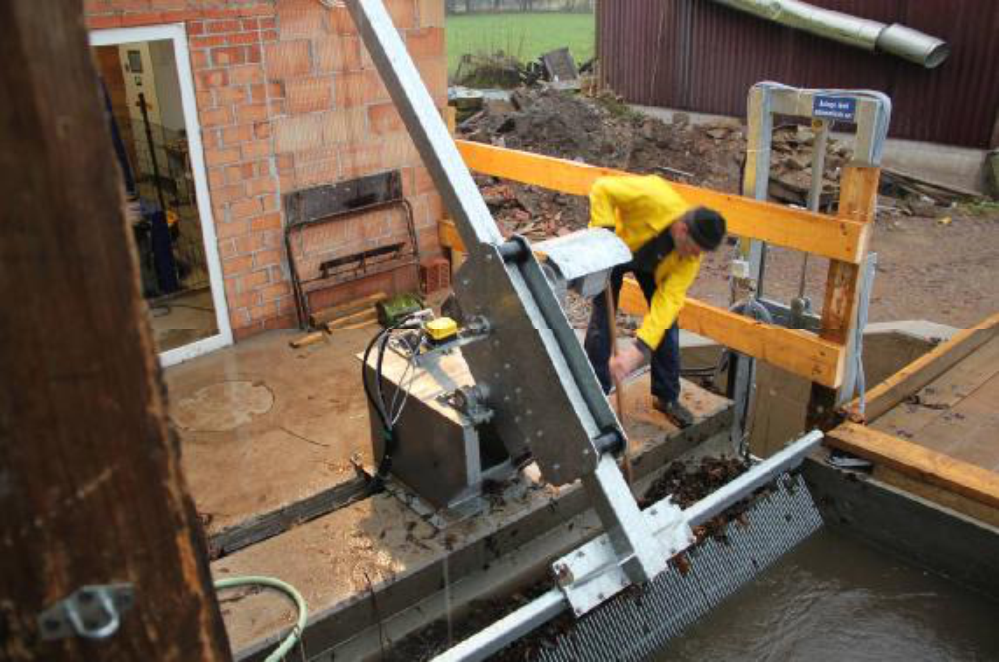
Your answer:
<point x="288" y="590"/>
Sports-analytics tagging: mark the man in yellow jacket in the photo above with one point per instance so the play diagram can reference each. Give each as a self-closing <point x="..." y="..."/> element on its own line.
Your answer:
<point x="667" y="237"/>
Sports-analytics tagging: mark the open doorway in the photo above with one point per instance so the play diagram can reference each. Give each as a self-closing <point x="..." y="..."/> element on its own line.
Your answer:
<point x="148" y="91"/>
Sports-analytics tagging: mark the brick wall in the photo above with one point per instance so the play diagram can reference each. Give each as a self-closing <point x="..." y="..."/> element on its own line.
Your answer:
<point x="288" y="98"/>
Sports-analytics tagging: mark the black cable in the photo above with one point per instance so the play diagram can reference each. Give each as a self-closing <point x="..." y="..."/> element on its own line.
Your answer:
<point x="364" y="378"/>
<point x="379" y="380"/>
<point x="388" y="429"/>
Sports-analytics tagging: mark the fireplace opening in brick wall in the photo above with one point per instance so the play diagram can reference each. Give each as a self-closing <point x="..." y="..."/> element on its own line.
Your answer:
<point x="348" y="240"/>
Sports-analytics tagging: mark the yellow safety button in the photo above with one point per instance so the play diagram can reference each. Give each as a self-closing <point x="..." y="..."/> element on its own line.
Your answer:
<point x="441" y="328"/>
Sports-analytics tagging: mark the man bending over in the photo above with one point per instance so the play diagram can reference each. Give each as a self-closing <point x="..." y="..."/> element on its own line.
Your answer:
<point x="667" y="238"/>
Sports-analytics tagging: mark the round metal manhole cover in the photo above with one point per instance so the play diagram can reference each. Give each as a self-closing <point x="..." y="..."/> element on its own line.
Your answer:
<point x="223" y="406"/>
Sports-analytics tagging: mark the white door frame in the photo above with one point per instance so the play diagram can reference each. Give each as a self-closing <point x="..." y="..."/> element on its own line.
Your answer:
<point x="177" y="33"/>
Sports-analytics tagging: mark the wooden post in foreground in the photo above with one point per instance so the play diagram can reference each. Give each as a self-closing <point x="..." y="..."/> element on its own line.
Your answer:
<point x="91" y="490"/>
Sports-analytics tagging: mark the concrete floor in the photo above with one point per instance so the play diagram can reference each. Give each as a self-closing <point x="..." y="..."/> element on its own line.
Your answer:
<point x="265" y="429"/>
<point x="379" y="546"/>
<point x="182" y="319"/>
<point x="263" y="426"/>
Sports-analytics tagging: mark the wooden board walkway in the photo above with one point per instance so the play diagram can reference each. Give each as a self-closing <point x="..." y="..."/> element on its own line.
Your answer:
<point x="933" y="427"/>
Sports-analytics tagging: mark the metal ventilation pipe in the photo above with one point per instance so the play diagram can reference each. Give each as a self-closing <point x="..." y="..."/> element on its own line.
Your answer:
<point x="896" y="39"/>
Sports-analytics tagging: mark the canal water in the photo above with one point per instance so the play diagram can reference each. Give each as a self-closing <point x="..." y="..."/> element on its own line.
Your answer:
<point x="834" y="598"/>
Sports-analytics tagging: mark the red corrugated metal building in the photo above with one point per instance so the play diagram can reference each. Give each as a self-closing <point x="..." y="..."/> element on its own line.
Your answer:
<point x="698" y="56"/>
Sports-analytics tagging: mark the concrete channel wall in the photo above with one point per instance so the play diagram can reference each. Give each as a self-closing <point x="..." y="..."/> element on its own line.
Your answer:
<point x="782" y="398"/>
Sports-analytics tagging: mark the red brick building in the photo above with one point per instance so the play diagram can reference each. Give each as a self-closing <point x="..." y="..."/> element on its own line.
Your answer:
<point x="288" y="98"/>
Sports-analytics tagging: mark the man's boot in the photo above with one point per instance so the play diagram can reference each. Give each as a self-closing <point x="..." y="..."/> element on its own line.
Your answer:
<point x="677" y="414"/>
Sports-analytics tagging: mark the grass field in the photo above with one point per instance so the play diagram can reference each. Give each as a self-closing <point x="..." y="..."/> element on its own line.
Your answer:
<point x="525" y="36"/>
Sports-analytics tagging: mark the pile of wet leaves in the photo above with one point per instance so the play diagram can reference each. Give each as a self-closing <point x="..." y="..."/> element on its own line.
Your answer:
<point x="688" y="485"/>
<point x="437" y="637"/>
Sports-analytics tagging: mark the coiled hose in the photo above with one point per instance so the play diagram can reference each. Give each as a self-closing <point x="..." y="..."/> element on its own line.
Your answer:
<point x="271" y="582"/>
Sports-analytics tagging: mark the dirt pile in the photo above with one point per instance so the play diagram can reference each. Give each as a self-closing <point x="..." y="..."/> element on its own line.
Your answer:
<point x="603" y="131"/>
<point x="952" y="233"/>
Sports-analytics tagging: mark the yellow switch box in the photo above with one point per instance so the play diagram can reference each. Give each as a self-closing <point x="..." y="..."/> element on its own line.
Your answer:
<point x="441" y="329"/>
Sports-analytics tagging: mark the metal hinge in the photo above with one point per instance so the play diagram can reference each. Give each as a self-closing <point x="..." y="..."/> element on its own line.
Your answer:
<point x="92" y="612"/>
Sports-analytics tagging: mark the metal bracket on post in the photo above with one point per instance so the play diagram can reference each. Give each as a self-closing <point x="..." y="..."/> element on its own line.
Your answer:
<point x="854" y="364"/>
<point x="541" y="388"/>
<point x="91" y="612"/>
<point x="870" y="112"/>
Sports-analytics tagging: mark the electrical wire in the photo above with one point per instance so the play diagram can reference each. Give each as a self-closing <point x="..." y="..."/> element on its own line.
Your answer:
<point x="388" y="416"/>
<point x="403" y="390"/>
<point x="290" y="591"/>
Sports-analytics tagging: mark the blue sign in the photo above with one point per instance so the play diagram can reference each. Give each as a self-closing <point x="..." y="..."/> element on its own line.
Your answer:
<point x="835" y="108"/>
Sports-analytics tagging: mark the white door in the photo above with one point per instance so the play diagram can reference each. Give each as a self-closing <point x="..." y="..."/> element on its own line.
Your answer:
<point x="190" y="316"/>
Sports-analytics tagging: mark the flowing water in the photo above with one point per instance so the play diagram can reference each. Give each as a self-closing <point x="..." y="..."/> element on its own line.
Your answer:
<point x="834" y="598"/>
<point x="447" y="602"/>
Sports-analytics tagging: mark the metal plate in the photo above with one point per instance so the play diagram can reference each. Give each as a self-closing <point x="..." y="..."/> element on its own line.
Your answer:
<point x="595" y="572"/>
<point x="540" y="384"/>
<point x="584" y="252"/>
<point x="543" y="388"/>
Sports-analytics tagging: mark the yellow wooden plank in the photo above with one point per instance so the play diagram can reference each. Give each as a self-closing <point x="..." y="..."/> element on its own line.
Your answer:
<point x="857" y="201"/>
<point x="924" y="370"/>
<point x="448" y="235"/>
<point x="451" y="118"/>
<point x="843" y="239"/>
<point x="798" y="352"/>
<point x="632" y="299"/>
<point x="926" y="465"/>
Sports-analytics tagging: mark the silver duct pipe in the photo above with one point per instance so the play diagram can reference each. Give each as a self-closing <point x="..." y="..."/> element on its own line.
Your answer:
<point x="896" y="39"/>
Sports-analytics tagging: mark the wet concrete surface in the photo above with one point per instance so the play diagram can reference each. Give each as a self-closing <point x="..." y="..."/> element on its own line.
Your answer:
<point x="836" y="598"/>
<point x="380" y="547"/>
<point x="182" y="319"/>
<point x="263" y="426"/>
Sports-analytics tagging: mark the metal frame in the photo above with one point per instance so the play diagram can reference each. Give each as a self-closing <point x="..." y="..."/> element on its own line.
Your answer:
<point x="393" y="199"/>
<point x="559" y="411"/>
<point x="766" y="100"/>
<point x="177" y="34"/>
<point x="556" y="601"/>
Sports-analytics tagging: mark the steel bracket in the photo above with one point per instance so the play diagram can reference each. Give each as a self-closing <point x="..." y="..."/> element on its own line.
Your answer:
<point x="597" y="571"/>
<point x="582" y="261"/>
<point x="91" y="612"/>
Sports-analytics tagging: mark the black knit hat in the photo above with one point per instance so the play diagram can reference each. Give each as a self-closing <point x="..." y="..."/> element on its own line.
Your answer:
<point x="707" y="228"/>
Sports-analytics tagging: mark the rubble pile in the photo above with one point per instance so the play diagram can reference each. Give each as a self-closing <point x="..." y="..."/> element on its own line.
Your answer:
<point x="603" y="131"/>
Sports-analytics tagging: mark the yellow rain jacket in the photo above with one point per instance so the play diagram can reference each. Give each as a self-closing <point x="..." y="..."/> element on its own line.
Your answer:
<point x="638" y="209"/>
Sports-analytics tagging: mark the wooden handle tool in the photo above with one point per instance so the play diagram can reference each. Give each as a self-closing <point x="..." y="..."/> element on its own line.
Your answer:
<point x="618" y="390"/>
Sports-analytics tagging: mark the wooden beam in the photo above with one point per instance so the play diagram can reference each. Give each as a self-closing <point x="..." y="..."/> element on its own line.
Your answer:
<point x="926" y="369"/>
<point x="857" y="203"/>
<point x="911" y="459"/>
<point x="91" y="489"/>
<point x="448" y="235"/>
<point x="840" y="238"/>
<point x="798" y="352"/>
<point x="938" y="495"/>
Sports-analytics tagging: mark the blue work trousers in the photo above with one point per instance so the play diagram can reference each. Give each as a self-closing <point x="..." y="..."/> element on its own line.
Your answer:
<point x="665" y="358"/>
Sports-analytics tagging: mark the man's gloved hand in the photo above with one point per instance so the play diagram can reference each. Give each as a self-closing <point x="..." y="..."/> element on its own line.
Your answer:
<point x="628" y="360"/>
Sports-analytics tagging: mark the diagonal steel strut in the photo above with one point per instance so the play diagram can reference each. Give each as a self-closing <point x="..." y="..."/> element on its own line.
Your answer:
<point x="541" y="386"/>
